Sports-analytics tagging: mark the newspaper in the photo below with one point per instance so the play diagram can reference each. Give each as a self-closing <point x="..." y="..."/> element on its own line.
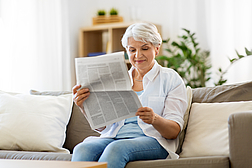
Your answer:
<point x="111" y="98"/>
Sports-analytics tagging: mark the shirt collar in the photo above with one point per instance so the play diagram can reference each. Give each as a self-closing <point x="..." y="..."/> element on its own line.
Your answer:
<point x="149" y="75"/>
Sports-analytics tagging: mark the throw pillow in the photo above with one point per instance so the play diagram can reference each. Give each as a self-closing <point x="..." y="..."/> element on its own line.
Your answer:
<point x="34" y="123"/>
<point x="207" y="131"/>
<point x="78" y="127"/>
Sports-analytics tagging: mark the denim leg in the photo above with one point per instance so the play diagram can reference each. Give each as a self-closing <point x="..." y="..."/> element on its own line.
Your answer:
<point x="119" y="152"/>
<point x="90" y="149"/>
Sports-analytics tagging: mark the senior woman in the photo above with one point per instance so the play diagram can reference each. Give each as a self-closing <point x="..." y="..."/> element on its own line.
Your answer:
<point x="153" y="133"/>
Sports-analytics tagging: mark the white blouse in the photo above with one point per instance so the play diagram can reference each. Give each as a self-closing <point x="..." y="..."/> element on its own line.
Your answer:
<point x="165" y="93"/>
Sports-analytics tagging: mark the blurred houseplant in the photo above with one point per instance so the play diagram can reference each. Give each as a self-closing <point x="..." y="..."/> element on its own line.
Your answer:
<point x="221" y="73"/>
<point x="187" y="59"/>
<point x="113" y="12"/>
<point x="101" y="12"/>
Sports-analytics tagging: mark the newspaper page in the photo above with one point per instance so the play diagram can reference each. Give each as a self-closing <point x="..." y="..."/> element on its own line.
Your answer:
<point x="111" y="98"/>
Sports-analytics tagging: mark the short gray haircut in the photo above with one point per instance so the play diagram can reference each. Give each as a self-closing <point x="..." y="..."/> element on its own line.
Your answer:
<point x="144" y="32"/>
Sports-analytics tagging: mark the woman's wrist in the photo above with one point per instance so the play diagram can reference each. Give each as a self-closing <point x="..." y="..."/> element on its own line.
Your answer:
<point x="155" y="118"/>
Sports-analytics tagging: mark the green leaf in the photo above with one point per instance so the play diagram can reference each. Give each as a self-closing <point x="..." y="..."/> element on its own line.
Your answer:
<point x="184" y="37"/>
<point x="232" y="60"/>
<point x="175" y="44"/>
<point x="188" y="31"/>
<point x="169" y="50"/>
<point x="248" y="52"/>
<point x="196" y="44"/>
<point x="162" y="57"/>
<point x="166" y="41"/>
<point x="240" y="56"/>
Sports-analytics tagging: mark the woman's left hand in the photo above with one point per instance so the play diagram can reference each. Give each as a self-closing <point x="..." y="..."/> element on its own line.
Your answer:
<point x="169" y="129"/>
<point x="146" y="114"/>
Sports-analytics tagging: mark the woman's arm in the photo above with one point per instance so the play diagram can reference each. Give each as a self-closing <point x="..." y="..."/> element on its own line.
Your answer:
<point x="167" y="128"/>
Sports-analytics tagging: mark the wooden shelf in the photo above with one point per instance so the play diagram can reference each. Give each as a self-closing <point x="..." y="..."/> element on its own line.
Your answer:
<point x="107" y="19"/>
<point x="103" y="38"/>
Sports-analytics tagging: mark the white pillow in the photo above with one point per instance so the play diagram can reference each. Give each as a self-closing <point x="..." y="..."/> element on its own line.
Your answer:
<point x="34" y="123"/>
<point x="207" y="131"/>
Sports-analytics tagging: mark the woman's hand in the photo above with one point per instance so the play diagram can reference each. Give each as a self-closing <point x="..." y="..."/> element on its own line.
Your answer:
<point x="79" y="96"/>
<point x="167" y="128"/>
<point x="100" y="129"/>
<point x="146" y="114"/>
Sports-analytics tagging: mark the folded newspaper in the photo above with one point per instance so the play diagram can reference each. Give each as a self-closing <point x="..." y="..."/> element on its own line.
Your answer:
<point x="111" y="98"/>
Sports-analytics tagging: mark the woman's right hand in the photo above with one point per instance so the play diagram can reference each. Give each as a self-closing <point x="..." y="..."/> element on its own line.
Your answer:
<point x="79" y="96"/>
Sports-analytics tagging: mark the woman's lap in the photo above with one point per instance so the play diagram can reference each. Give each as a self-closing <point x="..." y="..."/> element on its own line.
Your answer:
<point x="117" y="152"/>
<point x="90" y="149"/>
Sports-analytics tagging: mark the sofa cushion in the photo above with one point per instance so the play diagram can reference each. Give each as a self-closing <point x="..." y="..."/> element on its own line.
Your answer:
<point x="78" y="127"/>
<point x="207" y="131"/>
<point x="34" y="123"/>
<point x="223" y="93"/>
<point x="197" y="162"/>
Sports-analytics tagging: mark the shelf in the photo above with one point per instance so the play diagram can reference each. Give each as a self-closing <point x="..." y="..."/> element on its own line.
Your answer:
<point x="103" y="38"/>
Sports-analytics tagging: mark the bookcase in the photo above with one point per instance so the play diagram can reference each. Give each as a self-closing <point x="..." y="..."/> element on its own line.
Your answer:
<point x="104" y="38"/>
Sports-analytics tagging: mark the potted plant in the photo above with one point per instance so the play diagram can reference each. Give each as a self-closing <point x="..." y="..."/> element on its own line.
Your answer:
<point x="113" y="12"/>
<point x="191" y="63"/>
<point x="101" y="13"/>
<point x="187" y="59"/>
<point x="221" y="72"/>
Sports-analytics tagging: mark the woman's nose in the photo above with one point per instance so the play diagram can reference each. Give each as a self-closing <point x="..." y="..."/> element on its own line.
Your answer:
<point x="137" y="54"/>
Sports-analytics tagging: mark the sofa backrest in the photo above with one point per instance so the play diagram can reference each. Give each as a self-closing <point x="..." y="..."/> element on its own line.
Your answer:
<point x="77" y="129"/>
<point x="223" y="93"/>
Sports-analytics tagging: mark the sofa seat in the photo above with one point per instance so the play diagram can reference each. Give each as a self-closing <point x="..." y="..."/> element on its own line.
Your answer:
<point x="26" y="155"/>
<point x="194" y="162"/>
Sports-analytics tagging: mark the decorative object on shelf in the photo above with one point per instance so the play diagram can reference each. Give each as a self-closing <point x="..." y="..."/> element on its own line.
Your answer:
<point x="112" y="18"/>
<point x="95" y="54"/>
<point x="101" y="13"/>
<point x="113" y="12"/>
<point x="188" y="60"/>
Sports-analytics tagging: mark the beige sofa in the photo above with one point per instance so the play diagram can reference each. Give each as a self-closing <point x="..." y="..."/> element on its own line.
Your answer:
<point x="239" y="128"/>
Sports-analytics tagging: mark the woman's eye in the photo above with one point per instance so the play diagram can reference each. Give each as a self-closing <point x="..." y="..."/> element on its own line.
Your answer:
<point x="132" y="50"/>
<point x="145" y="48"/>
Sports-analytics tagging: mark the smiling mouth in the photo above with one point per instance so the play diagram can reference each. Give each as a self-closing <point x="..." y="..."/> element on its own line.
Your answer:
<point x="139" y="61"/>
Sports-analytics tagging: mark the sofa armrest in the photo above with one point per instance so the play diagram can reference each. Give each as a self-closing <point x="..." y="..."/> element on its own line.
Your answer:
<point x="240" y="139"/>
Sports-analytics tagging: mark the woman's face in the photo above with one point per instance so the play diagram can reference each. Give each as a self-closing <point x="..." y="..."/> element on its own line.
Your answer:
<point x="141" y="55"/>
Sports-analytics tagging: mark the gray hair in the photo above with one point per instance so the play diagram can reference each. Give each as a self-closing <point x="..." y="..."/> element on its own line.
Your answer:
<point x="144" y="32"/>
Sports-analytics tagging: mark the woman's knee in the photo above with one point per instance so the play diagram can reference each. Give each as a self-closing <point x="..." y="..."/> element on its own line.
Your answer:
<point x="90" y="150"/>
<point x="116" y="150"/>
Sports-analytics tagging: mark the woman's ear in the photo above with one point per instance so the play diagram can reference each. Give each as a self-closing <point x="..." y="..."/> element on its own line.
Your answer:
<point x="157" y="50"/>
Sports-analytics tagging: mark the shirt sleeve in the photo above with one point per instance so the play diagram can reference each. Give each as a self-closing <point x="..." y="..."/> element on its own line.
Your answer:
<point x="176" y="100"/>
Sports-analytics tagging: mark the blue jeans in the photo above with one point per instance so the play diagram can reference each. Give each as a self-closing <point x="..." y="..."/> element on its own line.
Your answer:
<point x="118" y="152"/>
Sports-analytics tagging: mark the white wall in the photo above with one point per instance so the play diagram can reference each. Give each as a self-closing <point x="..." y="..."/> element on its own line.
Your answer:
<point x="199" y="16"/>
<point x="166" y="13"/>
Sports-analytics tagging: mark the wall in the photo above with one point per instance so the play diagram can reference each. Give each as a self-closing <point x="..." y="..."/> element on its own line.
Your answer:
<point x="214" y="23"/>
<point x="166" y="13"/>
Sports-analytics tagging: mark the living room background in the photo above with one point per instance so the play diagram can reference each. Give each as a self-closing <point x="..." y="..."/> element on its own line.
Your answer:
<point x="39" y="39"/>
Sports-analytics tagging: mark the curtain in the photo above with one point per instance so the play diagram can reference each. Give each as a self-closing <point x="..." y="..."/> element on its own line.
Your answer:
<point x="34" y="45"/>
<point x="221" y="27"/>
<point x="229" y="30"/>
